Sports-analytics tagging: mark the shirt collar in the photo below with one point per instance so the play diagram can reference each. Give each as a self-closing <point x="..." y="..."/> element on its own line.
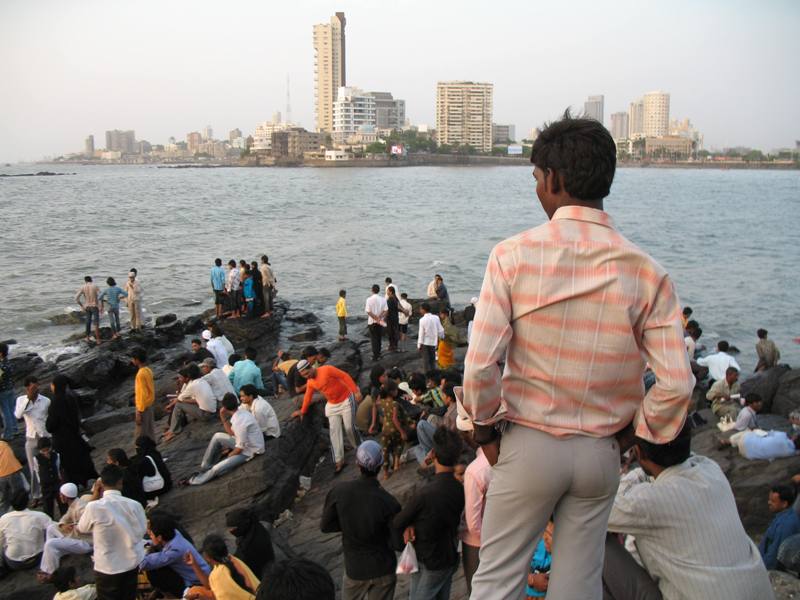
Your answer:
<point x="583" y="213"/>
<point x="112" y="493"/>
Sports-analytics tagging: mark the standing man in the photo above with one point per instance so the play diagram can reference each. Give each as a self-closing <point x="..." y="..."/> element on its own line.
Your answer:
<point x="341" y="314"/>
<point x="363" y="511"/>
<point x="218" y="286"/>
<point x="341" y="394"/>
<point x="135" y="296"/>
<point x="87" y="299"/>
<point x="574" y="310"/>
<point x="33" y="408"/>
<point x="430" y="332"/>
<point x="392" y="318"/>
<point x="441" y="290"/>
<point x="7" y="394"/>
<point x="144" y="393"/>
<point x="117" y="525"/>
<point x="268" y="280"/>
<point x="376" y="309"/>
<point x="405" y="315"/>
<point x="233" y="286"/>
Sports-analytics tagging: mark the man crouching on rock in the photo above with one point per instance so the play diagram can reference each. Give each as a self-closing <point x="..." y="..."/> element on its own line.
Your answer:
<point x="574" y="310"/>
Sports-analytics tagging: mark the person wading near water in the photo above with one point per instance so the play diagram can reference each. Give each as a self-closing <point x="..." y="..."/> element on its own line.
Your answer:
<point x="574" y="310"/>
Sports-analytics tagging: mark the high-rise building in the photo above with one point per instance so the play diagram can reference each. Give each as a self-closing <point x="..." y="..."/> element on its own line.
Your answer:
<point x="88" y="146"/>
<point x="593" y="107"/>
<point x="208" y="133"/>
<point x="353" y="111"/>
<point x="502" y="134"/>
<point x="464" y="114"/>
<point x="193" y="141"/>
<point x="685" y="129"/>
<point x="234" y="134"/>
<point x="656" y="114"/>
<point x="329" y="68"/>
<point x="636" y="119"/>
<point x="390" y="112"/>
<point x="120" y="141"/>
<point x="262" y="137"/>
<point x="619" y="125"/>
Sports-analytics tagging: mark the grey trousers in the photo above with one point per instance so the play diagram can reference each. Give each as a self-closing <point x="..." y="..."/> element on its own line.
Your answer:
<point x="148" y="426"/>
<point x="537" y="475"/>
<point x="210" y="468"/>
<point x="185" y="412"/>
<point x="379" y="588"/>
<point x="623" y="577"/>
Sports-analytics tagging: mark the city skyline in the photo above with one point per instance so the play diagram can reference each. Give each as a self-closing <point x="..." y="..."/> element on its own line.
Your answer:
<point x="735" y="80"/>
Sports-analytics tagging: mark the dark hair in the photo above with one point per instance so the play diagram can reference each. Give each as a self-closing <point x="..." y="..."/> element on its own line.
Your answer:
<point x="20" y="499"/>
<point x="215" y="330"/>
<point x="447" y="446"/>
<point x="582" y="154"/>
<point x="218" y="262"/>
<point x="752" y="398"/>
<point x="265" y="258"/>
<point x="3" y="349"/>
<point x="396" y="373"/>
<point x="731" y="370"/>
<point x="162" y="525"/>
<point x="388" y="280"/>
<point x="388" y="389"/>
<point x="376" y="288"/>
<point x="425" y="306"/>
<point x="139" y="354"/>
<point x="723" y="346"/>
<point x="111" y="281"/>
<point x="234" y="358"/>
<point x="762" y="333"/>
<point x="250" y="353"/>
<point x="296" y="579"/>
<point x="692" y="324"/>
<point x="687" y="310"/>
<point x="309" y="351"/>
<point x="230" y="401"/>
<point x="146" y="443"/>
<point x="60" y="385"/>
<point x="403" y="295"/>
<point x="325" y="352"/>
<point x="342" y="293"/>
<point x="111" y="475"/>
<point x="135" y="272"/>
<point x="669" y="454"/>
<point x="87" y="279"/>
<point x="416" y="381"/>
<point x="697" y="332"/>
<point x="435" y="375"/>
<point x="232" y="263"/>
<point x="217" y="550"/>
<point x="452" y="376"/>
<point x="449" y="391"/>
<point x="29" y="380"/>
<point x="249" y="390"/>
<point x="62" y="578"/>
<point x="197" y="341"/>
<point x="785" y="492"/>
<point x="192" y="371"/>
<point x="390" y="289"/>
<point x="44" y="442"/>
<point x="118" y="456"/>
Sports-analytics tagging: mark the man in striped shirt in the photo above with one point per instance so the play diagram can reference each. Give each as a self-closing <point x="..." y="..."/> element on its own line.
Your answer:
<point x="574" y="310"/>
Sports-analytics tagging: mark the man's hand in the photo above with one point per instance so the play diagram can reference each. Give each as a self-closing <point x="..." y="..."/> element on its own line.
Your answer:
<point x="539" y="581"/>
<point x="97" y="489"/>
<point x="358" y="396"/>
<point x="626" y="439"/>
<point x="297" y="414"/>
<point x="409" y="535"/>
<point x="492" y="451"/>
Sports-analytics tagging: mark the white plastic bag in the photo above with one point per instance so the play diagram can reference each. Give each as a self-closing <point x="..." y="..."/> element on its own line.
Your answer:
<point x="408" y="561"/>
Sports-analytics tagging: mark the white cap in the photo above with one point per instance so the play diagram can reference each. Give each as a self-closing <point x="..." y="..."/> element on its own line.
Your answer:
<point x="474" y="300"/>
<point x="69" y="490"/>
<point x="206" y="335"/>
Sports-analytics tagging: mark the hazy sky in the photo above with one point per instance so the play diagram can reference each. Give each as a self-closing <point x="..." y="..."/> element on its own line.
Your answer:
<point x="68" y="69"/>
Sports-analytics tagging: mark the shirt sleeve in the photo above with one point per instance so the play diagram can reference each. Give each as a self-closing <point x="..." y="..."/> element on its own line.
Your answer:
<point x="491" y="335"/>
<point x="768" y="547"/>
<point x="663" y="411"/>
<point x="346" y="380"/>
<point x="408" y="514"/>
<point x="629" y="513"/>
<point x="155" y="560"/>
<point x="19" y="408"/>
<point x="330" y="516"/>
<point x="473" y="502"/>
<point x="421" y="328"/>
<point x="85" y="523"/>
<point x="308" y="396"/>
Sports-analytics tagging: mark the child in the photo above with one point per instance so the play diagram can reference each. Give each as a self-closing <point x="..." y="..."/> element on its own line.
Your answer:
<point x="539" y="576"/>
<point x="393" y="434"/>
<point x="341" y="314"/>
<point x="48" y="469"/>
<point x="248" y="288"/>
<point x="66" y="582"/>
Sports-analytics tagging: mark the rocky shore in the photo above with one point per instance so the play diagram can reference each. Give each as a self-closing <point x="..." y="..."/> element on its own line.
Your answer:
<point x="271" y="484"/>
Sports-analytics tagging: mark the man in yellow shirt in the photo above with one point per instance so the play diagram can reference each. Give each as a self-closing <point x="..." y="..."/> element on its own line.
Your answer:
<point x="144" y="395"/>
<point x="341" y="314"/>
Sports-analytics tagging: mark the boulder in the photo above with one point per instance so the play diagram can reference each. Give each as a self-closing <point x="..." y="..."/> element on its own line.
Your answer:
<point x="164" y="319"/>
<point x="301" y="316"/>
<point x="765" y="384"/>
<point x="307" y="335"/>
<point x="787" y="396"/>
<point x="785" y="586"/>
<point x="73" y="317"/>
<point x="9" y="342"/>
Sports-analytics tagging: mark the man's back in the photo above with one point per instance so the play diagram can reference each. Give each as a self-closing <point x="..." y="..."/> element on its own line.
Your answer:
<point x="118" y="525"/>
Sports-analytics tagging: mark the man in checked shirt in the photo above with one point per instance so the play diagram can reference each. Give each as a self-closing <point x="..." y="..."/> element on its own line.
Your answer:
<point x="574" y="310"/>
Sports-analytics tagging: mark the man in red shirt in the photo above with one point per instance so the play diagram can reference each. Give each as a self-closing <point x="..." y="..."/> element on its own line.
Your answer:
<point x="342" y="395"/>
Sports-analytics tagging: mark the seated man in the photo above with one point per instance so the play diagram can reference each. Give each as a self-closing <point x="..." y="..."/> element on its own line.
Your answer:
<point x="280" y="371"/>
<point x="426" y="428"/>
<point x="62" y="537"/>
<point x="768" y="353"/>
<point x="747" y="418"/>
<point x="241" y="441"/>
<point x="22" y="533"/>
<point x="216" y="379"/>
<point x="69" y="588"/>
<point x="718" y="363"/>
<point x="164" y="565"/>
<point x="682" y="513"/>
<point x="763" y="445"/>
<point x="723" y="395"/>
<point x="262" y="410"/>
<point x="785" y="524"/>
<point x="246" y="371"/>
<point x="194" y="402"/>
<point x="199" y="354"/>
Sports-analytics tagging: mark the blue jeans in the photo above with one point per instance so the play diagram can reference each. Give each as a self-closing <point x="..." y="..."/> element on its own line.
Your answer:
<point x="279" y="378"/>
<point x="431" y="585"/>
<point x="92" y="314"/>
<point x="213" y="451"/>
<point x="113" y="317"/>
<point x="425" y="433"/>
<point x="7" y="402"/>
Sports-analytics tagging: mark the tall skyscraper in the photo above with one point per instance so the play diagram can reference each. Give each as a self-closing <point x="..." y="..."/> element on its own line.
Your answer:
<point x="593" y="107"/>
<point x="656" y="114"/>
<point x="636" y="119"/>
<point x="122" y="141"/>
<point x="619" y="125"/>
<point x="208" y="133"/>
<point x="329" y="68"/>
<point x="464" y="114"/>
<point x="88" y="146"/>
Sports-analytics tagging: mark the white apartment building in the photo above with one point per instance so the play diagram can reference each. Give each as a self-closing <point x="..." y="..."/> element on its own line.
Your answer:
<point x="594" y="108"/>
<point x="619" y="125"/>
<point x="353" y="112"/>
<point x="656" y="114"/>
<point x="329" y="68"/>
<point x="262" y="137"/>
<point x="636" y="119"/>
<point x="464" y="114"/>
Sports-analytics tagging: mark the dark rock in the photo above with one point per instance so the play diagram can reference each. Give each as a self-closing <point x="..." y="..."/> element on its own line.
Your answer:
<point x="301" y="316"/>
<point x="193" y="325"/>
<point x="100" y="422"/>
<point x="164" y="319"/>
<point x="66" y="356"/>
<point x="9" y="342"/>
<point x="74" y="317"/>
<point x="785" y="586"/>
<point x="787" y="396"/>
<point x="25" y="364"/>
<point x="307" y="335"/>
<point x="192" y="303"/>
<point x="765" y="384"/>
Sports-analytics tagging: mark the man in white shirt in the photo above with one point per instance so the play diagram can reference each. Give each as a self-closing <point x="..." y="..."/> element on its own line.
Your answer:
<point x="682" y="513"/>
<point x="405" y="314"/>
<point x="376" y="309"/>
<point x="216" y="344"/>
<point x="118" y="525"/>
<point x="63" y="537"/>
<point x="388" y="284"/>
<point x="430" y="332"/>
<point x="241" y="441"/>
<point x="216" y="379"/>
<point x="718" y="363"/>
<point x="195" y="402"/>
<point x="269" y="280"/>
<point x="22" y="533"/>
<point x="33" y="408"/>
<point x="233" y="287"/>
<point x="262" y="410"/>
<point x="763" y="445"/>
<point x="747" y="418"/>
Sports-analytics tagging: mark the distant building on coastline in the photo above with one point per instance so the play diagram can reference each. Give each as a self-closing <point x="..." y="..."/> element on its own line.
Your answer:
<point x="353" y="111"/>
<point x="295" y="142"/>
<point x="208" y="133"/>
<point x="390" y="112"/>
<point x="121" y="141"/>
<point x="88" y="146"/>
<point x="329" y="68"/>
<point x="502" y="134"/>
<point x="685" y="129"/>
<point x="464" y="114"/>
<point x="193" y="141"/>
<point x="234" y="134"/>
<point x="656" y="114"/>
<point x="670" y="147"/>
<point x="593" y="107"/>
<point x="619" y="125"/>
<point x="262" y="137"/>
<point x="636" y="119"/>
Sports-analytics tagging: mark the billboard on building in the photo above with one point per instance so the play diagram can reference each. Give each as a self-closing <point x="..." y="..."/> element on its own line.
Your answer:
<point x="398" y="149"/>
<point x="515" y="150"/>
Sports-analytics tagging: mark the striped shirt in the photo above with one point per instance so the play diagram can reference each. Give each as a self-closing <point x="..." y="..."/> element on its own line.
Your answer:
<point x="575" y="310"/>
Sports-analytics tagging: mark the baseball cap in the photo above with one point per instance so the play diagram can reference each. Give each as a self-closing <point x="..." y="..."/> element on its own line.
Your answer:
<point x="209" y="362"/>
<point x="369" y="455"/>
<point x="69" y="490"/>
<point x="206" y="335"/>
<point x="303" y="364"/>
<point x="474" y="300"/>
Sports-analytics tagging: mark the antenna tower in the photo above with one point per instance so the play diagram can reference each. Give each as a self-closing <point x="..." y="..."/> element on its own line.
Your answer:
<point x="288" y="102"/>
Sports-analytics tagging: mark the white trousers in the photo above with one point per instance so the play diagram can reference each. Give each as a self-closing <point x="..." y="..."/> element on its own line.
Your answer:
<point x="341" y="420"/>
<point x="57" y="546"/>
